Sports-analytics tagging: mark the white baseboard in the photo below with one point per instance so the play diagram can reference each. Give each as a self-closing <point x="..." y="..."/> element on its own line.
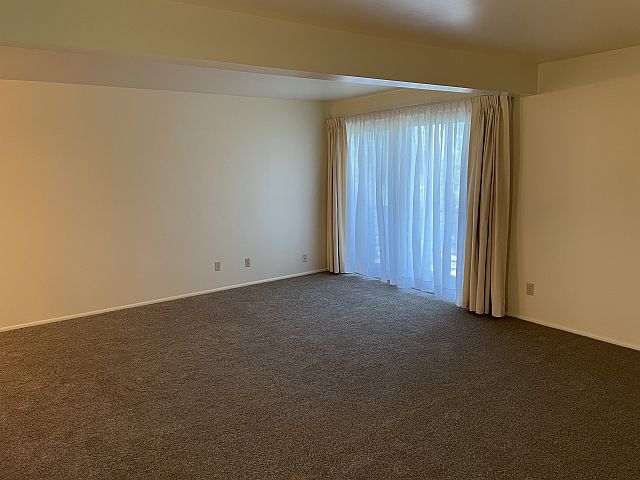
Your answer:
<point x="573" y="330"/>
<point x="160" y="300"/>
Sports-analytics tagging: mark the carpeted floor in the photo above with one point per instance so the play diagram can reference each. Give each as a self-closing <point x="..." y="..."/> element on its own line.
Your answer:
<point x="314" y="377"/>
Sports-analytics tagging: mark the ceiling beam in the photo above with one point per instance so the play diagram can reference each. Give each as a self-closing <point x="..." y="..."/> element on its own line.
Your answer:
<point x="169" y="29"/>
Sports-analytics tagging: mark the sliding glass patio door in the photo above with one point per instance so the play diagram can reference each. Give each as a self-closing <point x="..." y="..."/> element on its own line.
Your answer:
<point x="406" y="196"/>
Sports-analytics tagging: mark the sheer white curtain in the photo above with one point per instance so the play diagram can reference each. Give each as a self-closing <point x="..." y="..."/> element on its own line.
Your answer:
<point x="407" y="196"/>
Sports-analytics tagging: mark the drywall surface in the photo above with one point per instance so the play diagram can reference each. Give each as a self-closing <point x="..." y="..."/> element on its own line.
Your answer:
<point x="576" y="225"/>
<point x="165" y="28"/>
<point x="114" y="196"/>
<point x="588" y="69"/>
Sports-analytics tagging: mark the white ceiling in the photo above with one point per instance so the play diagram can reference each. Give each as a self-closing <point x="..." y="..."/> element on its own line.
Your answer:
<point x="96" y="69"/>
<point x="543" y="29"/>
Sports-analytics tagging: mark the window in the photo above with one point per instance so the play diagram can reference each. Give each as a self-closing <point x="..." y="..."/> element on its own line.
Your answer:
<point x="406" y="196"/>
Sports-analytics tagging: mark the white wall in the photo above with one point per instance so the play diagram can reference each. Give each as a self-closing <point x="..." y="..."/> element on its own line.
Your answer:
<point x="576" y="220"/>
<point x="112" y="196"/>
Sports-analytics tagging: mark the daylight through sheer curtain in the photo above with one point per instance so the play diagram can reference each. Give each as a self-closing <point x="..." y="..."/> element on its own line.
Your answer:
<point x="406" y="196"/>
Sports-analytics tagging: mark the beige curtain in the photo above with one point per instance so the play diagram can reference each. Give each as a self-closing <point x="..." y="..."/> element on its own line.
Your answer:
<point x="336" y="194"/>
<point x="488" y="191"/>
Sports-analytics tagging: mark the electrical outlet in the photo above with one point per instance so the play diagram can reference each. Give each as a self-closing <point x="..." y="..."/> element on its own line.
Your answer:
<point x="304" y="258"/>
<point x="247" y="262"/>
<point x="217" y="266"/>
<point x="531" y="287"/>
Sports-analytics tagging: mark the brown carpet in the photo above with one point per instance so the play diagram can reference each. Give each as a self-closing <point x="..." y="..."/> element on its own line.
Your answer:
<point x="314" y="377"/>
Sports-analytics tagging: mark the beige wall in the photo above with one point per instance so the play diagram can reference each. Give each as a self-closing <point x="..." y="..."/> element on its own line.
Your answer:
<point x="588" y="69"/>
<point x="112" y="196"/>
<point x="165" y="28"/>
<point x="576" y="224"/>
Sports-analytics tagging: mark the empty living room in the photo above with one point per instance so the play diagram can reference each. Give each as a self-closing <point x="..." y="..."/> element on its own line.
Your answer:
<point x="281" y="239"/>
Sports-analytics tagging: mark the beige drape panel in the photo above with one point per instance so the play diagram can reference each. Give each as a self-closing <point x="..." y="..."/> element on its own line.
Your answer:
<point x="489" y="183"/>
<point x="336" y="194"/>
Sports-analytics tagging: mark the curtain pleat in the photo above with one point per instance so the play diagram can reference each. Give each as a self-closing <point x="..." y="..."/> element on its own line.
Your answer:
<point x="336" y="194"/>
<point x="488" y="203"/>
